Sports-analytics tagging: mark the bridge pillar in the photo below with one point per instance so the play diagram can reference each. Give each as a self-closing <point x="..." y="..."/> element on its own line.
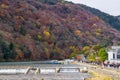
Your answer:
<point x="27" y="71"/>
<point x="84" y="70"/>
<point x="37" y="71"/>
<point x="57" y="70"/>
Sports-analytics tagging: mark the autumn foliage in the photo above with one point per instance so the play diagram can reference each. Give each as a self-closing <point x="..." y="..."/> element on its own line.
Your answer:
<point x="49" y="29"/>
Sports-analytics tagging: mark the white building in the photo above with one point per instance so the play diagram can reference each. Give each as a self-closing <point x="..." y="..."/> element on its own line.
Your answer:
<point x="114" y="54"/>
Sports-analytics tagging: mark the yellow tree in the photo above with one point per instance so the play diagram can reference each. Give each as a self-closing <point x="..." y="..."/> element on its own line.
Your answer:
<point x="4" y="6"/>
<point x="86" y="50"/>
<point x="92" y="58"/>
<point x="78" y="33"/>
<point x="46" y="35"/>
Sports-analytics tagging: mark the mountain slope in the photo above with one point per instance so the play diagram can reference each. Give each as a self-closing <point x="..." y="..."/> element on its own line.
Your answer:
<point x="118" y="17"/>
<point x="48" y="29"/>
<point x="111" y="20"/>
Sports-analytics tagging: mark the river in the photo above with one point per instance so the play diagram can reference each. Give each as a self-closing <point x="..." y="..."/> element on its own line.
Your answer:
<point x="47" y="72"/>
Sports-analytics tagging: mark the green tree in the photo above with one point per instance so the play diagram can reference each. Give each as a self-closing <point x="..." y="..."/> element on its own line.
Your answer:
<point x="52" y="2"/>
<point x="38" y="37"/>
<point x="73" y="54"/>
<point x="102" y="54"/>
<point x="62" y="1"/>
<point x="22" y="30"/>
<point x="12" y="50"/>
<point x="95" y="49"/>
<point x="9" y="51"/>
<point x="11" y="46"/>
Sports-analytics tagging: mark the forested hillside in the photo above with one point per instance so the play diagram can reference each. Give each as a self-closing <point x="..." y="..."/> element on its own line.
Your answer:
<point x="113" y="21"/>
<point x="118" y="17"/>
<point x="49" y="29"/>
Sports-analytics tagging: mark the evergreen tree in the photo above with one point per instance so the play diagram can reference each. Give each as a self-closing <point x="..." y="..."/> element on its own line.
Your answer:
<point x="22" y="30"/>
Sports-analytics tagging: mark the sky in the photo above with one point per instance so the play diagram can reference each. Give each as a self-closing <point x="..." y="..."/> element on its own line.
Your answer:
<point x="111" y="7"/>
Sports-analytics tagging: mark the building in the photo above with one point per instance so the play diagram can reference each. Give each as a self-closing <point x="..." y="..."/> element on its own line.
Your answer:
<point x="114" y="54"/>
<point x="81" y="57"/>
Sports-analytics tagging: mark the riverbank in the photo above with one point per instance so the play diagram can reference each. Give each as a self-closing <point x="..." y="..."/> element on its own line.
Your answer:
<point x="98" y="76"/>
<point x="101" y="73"/>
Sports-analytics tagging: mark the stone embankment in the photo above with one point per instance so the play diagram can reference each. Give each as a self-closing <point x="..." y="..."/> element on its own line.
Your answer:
<point x="102" y="73"/>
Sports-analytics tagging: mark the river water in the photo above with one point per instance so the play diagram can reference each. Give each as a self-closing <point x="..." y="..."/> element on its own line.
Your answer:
<point x="67" y="71"/>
